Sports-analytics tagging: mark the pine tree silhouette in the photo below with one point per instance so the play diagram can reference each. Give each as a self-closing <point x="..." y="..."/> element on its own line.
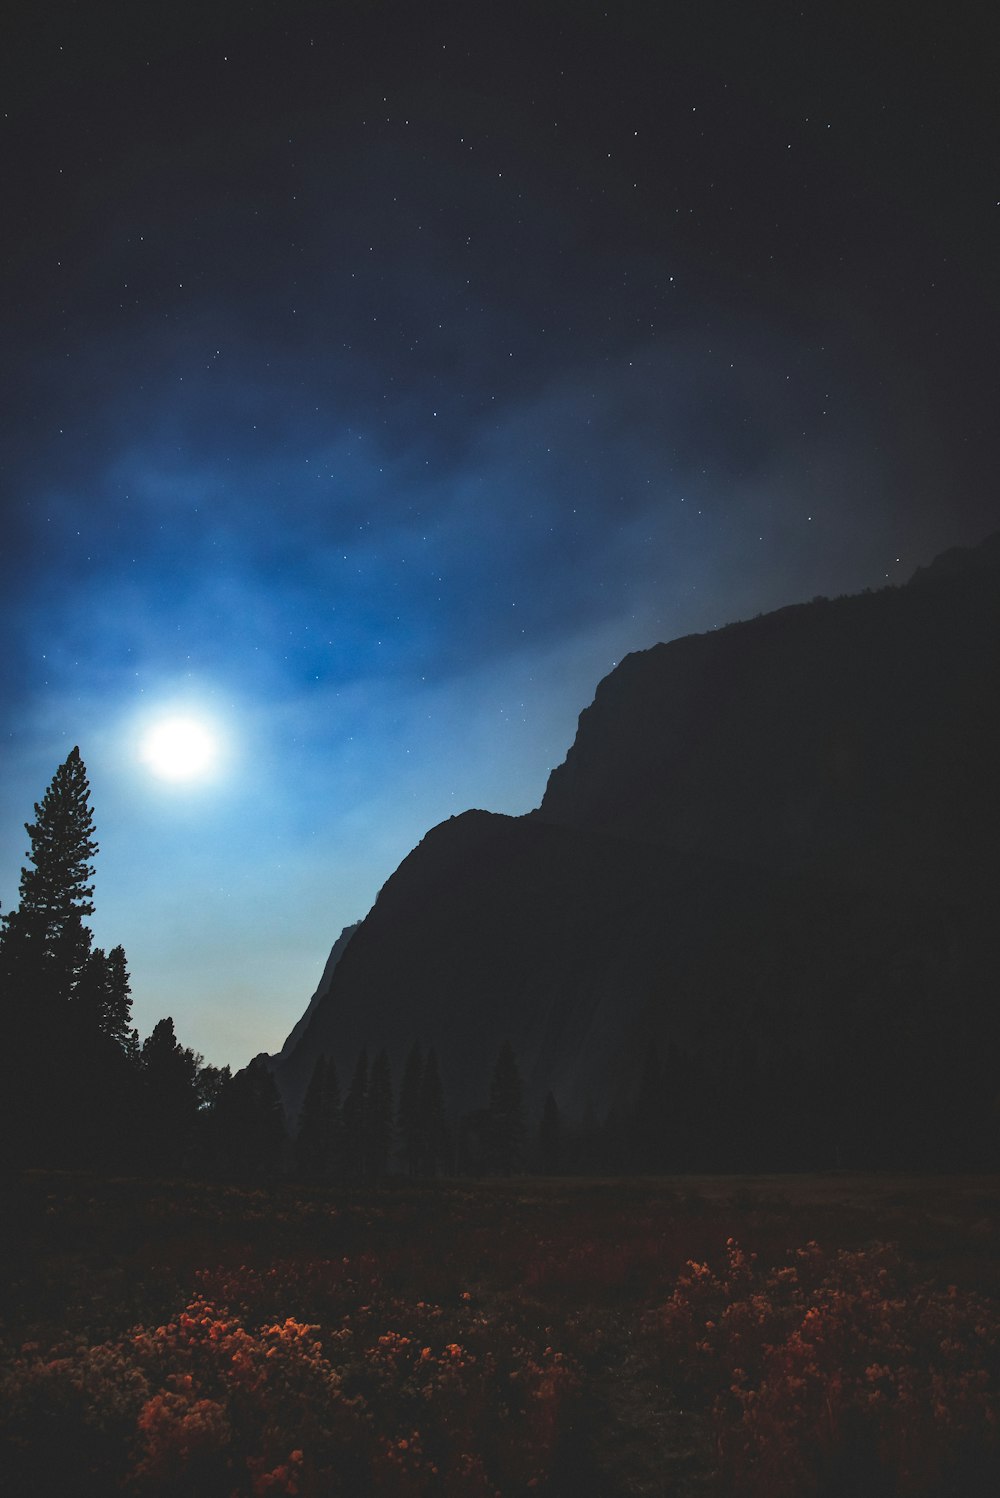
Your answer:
<point x="249" y="1122"/>
<point x="310" y="1141"/>
<point x="433" y="1124"/>
<point x="63" y="1001"/>
<point x="356" y="1119"/>
<point x="378" y="1119"/>
<point x="319" y="1144"/>
<point x="506" y="1131"/>
<point x="45" y="943"/>
<point x="169" y="1072"/>
<point x="408" y="1116"/>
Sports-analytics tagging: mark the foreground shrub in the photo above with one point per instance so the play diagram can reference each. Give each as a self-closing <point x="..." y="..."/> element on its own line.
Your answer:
<point x="205" y="1406"/>
<point x="837" y="1374"/>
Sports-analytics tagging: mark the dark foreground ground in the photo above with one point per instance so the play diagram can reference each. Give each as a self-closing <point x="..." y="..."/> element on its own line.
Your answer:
<point x="775" y="1337"/>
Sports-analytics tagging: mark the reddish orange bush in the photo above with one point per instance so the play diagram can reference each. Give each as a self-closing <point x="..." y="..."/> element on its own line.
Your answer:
<point x="455" y="1343"/>
<point x="203" y="1405"/>
<point x="837" y="1373"/>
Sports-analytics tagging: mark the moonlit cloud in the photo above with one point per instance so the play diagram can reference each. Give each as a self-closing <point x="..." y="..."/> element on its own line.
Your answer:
<point x="373" y="414"/>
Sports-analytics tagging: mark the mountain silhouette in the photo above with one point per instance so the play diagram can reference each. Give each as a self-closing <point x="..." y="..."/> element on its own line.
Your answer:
<point x="770" y="855"/>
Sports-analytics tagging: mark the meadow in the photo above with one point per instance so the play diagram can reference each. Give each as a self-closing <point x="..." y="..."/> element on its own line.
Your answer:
<point x="787" y="1336"/>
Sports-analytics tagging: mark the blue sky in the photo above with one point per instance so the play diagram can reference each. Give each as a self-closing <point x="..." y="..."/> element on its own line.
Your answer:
<point x="375" y="388"/>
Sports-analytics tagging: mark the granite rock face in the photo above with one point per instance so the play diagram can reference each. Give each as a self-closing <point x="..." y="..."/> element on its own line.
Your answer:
<point x="855" y="739"/>
<point x="777" y="833"/>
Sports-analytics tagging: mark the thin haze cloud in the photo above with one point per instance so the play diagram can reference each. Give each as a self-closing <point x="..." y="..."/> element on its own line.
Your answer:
<point x="371" y="395"/>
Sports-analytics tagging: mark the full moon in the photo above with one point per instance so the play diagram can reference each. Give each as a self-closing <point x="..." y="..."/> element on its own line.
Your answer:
<point x="179" y="749"/>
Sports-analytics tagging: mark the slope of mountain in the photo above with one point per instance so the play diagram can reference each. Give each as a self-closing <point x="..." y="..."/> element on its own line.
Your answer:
<point x="322" y="989"/>
<point x="776" y="840"/>
<point x="854" y="738"/>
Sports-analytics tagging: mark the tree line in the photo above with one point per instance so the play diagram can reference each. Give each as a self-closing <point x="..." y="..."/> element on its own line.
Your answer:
<point x="79" y="1088"/>
<point x="370" y="1133"/>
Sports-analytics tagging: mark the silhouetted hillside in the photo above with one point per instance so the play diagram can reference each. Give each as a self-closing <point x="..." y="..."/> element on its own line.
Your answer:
<point x="754" y="912"/>
<point x="856" y="738"/>
<point x="322" y="989"/>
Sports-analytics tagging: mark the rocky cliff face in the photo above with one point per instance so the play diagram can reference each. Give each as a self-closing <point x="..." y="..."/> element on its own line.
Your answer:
<point x="767" y="836"/>
<point x="853" y="739"/>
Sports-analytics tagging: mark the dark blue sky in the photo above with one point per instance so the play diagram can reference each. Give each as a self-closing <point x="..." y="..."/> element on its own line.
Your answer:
<point x="377" y="376"/>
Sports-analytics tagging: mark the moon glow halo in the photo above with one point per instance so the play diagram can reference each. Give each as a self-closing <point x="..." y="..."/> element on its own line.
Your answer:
<point x="179" y="749"/>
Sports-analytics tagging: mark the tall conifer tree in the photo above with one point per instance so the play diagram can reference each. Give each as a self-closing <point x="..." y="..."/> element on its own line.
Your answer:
<point x="378" y="1120"/>
<point x="62" y="1001"/>
<point x="433" y="1125"/>
<point x="356" y="1119"/>
<point x="310" y="1141"/>
<point x="319" y="1145"/>
<point x="45" y="943"/>
<point x="170" y="1074"/>
<point x="408" y="1117"/>
<point x="506" y="1114"/>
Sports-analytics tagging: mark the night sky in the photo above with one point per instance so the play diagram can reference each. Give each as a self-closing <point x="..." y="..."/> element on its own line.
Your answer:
<point x="376" y="377"/>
